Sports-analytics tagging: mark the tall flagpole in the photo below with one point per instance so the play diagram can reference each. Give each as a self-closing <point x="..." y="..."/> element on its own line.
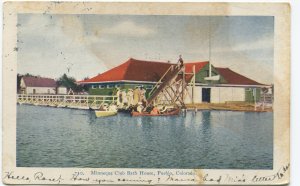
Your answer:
<point x="210" y="76"/>
<point x="209" y="51"/>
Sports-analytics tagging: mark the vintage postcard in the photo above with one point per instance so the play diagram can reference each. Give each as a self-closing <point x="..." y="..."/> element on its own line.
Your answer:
<point x="146" y="93"/>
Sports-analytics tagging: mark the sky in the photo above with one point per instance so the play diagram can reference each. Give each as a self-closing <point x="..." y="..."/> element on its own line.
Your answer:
<point x="50" y="44"/>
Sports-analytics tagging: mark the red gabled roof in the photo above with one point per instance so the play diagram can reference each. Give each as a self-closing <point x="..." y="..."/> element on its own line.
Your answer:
<point x="198" y="66"/>
<point x="139" y="70"/>
<point x="234" y="78"/>
<point x="151" y="71"/>
<point x="39" y="82"/>
<point x="189" y="68"/>
<point x="114" y="74"/>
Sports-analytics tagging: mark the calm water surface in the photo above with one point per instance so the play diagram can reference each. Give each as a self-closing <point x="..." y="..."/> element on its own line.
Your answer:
<point x="57" y="137"/>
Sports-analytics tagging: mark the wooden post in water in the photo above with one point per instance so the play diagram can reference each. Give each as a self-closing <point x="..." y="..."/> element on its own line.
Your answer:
<point x="183" y="83"/>
<point x="254" y="92"/>
<point x="193" y="86"/>
<point x="263" y="105"/>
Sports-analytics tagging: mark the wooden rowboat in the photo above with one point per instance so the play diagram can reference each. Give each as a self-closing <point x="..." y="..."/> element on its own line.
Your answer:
<point x="100" y="113"/>
<point x="170" y="113"/>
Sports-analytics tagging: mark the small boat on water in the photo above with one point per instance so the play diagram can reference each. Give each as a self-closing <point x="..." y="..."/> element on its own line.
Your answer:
<point x="106" y="110"/>
<point x="169" y="113"/>
<point x="103" y="113"/>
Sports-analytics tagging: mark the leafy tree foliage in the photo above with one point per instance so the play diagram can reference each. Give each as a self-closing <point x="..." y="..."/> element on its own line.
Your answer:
<point x="19" y="77"/>
<point x="70" y="83"/>
<point x="64" y="80"/>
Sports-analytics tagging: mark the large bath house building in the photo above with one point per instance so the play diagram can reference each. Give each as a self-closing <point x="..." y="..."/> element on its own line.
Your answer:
<point x="230" y="86"/>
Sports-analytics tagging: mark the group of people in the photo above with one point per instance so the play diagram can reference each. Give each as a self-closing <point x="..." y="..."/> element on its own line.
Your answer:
<point x="105" y="107"/>
<point x="150" y="109"/>
<point x="130" y="97"/>
<point x="136" y="99"/>
<point x="158" y="109"/>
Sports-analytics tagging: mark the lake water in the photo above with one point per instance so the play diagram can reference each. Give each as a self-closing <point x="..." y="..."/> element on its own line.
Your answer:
<point x="58" y="137"/>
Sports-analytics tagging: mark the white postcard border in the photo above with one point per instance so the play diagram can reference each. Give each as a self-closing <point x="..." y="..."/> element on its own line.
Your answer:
<point x="280" y="173"/>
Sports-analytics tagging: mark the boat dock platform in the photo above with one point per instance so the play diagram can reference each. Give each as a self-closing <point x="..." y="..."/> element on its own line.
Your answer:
<point x="68" y="101"/>
<point x="231" y="106"/>
<point x="96" y="101"/>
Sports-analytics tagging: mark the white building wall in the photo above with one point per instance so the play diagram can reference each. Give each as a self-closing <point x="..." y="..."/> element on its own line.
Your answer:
<point x="217" y="94"/>
<point x="223" y="94"/>
<point x="62" y="90"/>
<point x="197" y="96"/>
<point x="188" y="97"/>
<point x="239" y="94"/>
<point x="22" y="84"/>
<point x="41" y="90"/>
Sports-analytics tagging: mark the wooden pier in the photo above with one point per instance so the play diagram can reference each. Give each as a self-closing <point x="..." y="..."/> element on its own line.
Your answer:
<point x="69" y="101"/>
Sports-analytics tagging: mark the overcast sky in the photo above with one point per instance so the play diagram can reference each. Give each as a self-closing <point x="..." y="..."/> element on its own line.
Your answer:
<point x="91" y="44"/>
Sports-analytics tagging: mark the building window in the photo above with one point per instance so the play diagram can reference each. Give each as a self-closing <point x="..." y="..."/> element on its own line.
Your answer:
<point x="110" y="86"/>
<point x="101" y="86"/>
<point x="34" y="91"/>
<point x="149" y="86"/>
<point x="94" y="86"/>
<point x="117" y="86"/>
<point x="48" y="91"/>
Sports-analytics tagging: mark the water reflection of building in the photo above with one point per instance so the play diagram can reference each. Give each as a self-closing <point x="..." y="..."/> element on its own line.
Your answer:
<point x="230" y="85"/>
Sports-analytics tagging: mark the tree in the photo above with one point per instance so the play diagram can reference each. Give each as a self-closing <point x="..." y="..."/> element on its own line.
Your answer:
<point x="70" y="83"/>
<point x="19" y="77"/>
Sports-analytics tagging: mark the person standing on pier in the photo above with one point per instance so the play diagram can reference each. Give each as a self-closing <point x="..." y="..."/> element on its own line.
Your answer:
<point x="130" y="97"/>
<point x="118" y="97"/>
<point x="124" y="97"/>
<point x="143" y="95"/>
<point x="140" y="94"/>
<point x="136" y="93"/>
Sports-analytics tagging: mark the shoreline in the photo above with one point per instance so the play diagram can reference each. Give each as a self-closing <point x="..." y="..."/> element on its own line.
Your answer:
<point x="246" y="107"/>
<point x="242" y="107"/>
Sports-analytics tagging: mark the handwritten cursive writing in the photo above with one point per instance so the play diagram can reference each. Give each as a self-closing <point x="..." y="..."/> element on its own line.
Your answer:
<point x="101" y="181"/>
<point x="235" y="179"/>
<point x="81" y="177"/>
<point x="149" y="181"/>
<point x="10" y="175"/>
<point x="174" y="179"/>
<point x="40" y="176"/>
<point x="278" y="175"/>
<point x="206" y="178"/>
<point x="78" y="177"/>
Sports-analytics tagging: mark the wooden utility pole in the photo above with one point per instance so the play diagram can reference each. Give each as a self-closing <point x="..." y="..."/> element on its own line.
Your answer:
<point x="193" y="86"/>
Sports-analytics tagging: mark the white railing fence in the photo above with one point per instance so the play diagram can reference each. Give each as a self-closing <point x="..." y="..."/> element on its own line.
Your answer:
<point x="72" y="101"/>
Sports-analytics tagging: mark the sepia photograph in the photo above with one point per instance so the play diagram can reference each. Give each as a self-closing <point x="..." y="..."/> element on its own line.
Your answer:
<point x="145" y="98"/>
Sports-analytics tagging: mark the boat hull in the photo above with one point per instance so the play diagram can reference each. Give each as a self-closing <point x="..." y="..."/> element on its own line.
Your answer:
<point x="105" y="113"/>
<point x="171" y="113"/>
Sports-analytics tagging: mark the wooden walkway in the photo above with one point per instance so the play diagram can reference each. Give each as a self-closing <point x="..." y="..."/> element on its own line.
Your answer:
<point x="70" y="101"/>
